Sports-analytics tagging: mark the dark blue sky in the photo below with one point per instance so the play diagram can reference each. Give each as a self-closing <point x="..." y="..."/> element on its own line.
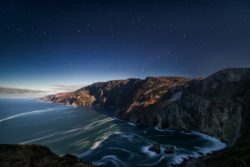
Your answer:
<point x="44" y="43"/>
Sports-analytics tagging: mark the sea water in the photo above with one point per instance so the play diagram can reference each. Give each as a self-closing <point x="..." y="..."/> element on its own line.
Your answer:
<point x="95" y="136"/>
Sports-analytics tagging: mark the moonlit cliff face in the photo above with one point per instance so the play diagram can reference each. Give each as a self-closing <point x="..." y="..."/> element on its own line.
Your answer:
<point x="215" y="105"/>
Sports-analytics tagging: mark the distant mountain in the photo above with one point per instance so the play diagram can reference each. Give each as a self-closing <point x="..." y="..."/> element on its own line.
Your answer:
<point x="218" y="105"/>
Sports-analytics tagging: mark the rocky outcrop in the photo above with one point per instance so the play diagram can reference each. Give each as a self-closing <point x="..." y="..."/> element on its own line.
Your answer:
<point x="238" y="155"/>
<point x="36" y="156"/>
<point x="155" y="148"/>
<point x="213" y="105"/>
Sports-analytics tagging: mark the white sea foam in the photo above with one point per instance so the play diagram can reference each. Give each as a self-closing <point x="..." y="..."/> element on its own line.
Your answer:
<point x="145" y="150"/>
<point x="163" y="130"/>
<point x="94" y="146"/>
<point x="97" y="123"/>
<point x="90" y="126"/>
<point x="111" y="159"/>
<point x="216" y="144"/>
<point x="72" y="130"/>
<point x="159" y="130"/>
<point x="98" y="143"/>
<point x="179" y="159"/>
<point x="37" y="139"/>
<point x="26" y="113"/>
<point x="130" y="123"/>
<point x="81" y="143"/>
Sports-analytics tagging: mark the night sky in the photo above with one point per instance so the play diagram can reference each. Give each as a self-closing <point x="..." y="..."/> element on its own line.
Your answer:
<point x="69" y="42"/>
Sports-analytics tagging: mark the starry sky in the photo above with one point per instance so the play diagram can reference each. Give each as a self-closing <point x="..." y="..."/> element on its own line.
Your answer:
<point x="48" y="43"/>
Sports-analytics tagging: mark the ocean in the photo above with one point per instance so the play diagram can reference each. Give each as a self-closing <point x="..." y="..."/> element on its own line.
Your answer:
<point x="94" y="136"/>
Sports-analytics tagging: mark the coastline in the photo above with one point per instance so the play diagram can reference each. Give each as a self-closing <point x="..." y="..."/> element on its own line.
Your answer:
<point x="217" y="106"/>
<point x="183" y="160"/>
<point x="157" y="129"/>
<point x="237" y="155"/>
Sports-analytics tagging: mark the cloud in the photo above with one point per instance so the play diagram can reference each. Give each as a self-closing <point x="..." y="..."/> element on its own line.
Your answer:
<point x="6" y="90"/>
<point x="13" y="92"/>
<point x="67" y="88"/>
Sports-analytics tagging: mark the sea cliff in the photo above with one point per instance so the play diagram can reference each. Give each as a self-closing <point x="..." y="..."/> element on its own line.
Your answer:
<point x="217" y="105"/>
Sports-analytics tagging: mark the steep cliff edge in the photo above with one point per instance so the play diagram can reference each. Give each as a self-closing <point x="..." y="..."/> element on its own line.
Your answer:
<point x="238" y="155"/>
<point x="213" y="105"/>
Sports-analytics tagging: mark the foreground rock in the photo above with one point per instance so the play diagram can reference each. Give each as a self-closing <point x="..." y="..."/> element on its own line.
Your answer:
<point x="36" y="156"/>
<point x="169" y="150"/>
<point x="155" y="148"/>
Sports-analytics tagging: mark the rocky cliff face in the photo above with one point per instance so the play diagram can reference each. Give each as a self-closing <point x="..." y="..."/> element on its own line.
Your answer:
<point x="36" y="156"/>
<point x="215" y="105"/>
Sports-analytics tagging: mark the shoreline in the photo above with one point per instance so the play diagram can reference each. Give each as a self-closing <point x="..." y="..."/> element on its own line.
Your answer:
<point x="237" y="155"/>
<point x="183" y="161"/>
<point x="186" y="161"/>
